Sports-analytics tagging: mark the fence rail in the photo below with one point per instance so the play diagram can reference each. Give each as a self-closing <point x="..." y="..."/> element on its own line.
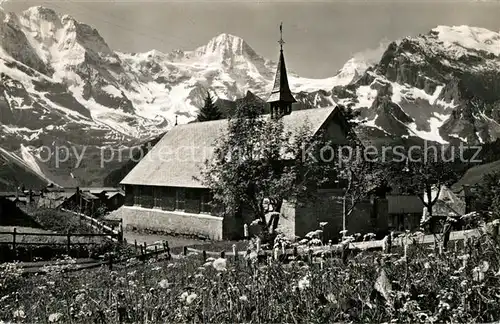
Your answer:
<point x="116" y="235"/>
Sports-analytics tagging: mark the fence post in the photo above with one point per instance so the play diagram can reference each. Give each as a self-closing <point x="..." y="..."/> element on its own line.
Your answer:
<point x="156" y="252"/>
<point x="185" y="251"/>
<point x="110" y="262"/>
<point x="167" y="249"/>
<point x="121" y="229"/>
<point x="222" y="254"/>
<point x="68" y="247"/>
<point x="310" y="256"/>
<point x="235" y="252"/>
<point x="204" y="255"/>
<point x="295" y="252"/>
<point x="14" y="242"/>
<point x="135" y="246"/>
<point x="245" y="231"/>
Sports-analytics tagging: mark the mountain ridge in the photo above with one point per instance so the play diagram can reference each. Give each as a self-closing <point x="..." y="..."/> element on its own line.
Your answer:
<point x="61" y="83"/>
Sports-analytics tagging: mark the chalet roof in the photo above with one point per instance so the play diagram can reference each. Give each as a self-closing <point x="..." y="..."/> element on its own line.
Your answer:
<point x="447" y="204"/>
<point x="475" y="175"/>
<point x="177" y="159"/>
<point x="281" y="89"/>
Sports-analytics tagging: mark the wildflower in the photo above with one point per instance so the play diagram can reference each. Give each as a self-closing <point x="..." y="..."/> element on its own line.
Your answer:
<point x="243" y="298"/>
<point x="131" y="273"/>
<point x="427" y="265"/>
<point x="55" y="317"/>
<point x="156" y="268"/>
<point x="369" y="237"/>
<point x="80" y="297"/>
<point x="444" y="305"/>
<point x="331" y="298"/>
<point x="304" y="282"/>
<point x="19" y="313"/>
<point x="303" y="241"/>
<point x="220" y="264"/>
<point x="190" y="298"/>
<point x="315" y="242"/>
<point x="183" y="296"/>
<point x="164" y="284"/>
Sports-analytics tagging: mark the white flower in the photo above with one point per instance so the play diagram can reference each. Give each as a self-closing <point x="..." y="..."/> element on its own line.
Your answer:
<point x="164" y="284"/>
<point x="54" y="317"/>
<point x="190" y="298"/>
<point x="19" y="314"/>
<point x="427" y="265"/>
<point x="304" y="282"/>
<point x="323" y="224"/>
<point x="183" y="296"/>
<point x="243" y="298"/>
<point x="220" y="264"/>
<point x="315" y="242"/>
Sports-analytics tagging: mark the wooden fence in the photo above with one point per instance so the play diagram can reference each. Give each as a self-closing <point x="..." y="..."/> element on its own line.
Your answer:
<point x="60" y="238"/>
<point x="116" y="235"/>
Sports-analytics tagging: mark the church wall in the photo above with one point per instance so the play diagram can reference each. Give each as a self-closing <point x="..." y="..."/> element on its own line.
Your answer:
<point x="171" y="222"/>
<point x="368" y="216"/>
<point x="334" y="132"/>
<point x="286" y="222"/>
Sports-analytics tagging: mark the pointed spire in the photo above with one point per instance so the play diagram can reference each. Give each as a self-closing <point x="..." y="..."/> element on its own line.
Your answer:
<point x="281" y="97"/>
<point x="175" y="120"/>
<point x="281" y="41"/>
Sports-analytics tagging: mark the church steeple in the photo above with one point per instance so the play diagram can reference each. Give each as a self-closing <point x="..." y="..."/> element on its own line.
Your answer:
<point x="281" y="97"/>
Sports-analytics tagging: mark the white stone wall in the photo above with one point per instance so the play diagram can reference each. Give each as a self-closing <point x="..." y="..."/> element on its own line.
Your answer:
<point x="172" y="222"/>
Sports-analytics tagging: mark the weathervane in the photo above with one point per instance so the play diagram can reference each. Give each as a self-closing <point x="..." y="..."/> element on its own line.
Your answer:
<point x="281" y="41"/>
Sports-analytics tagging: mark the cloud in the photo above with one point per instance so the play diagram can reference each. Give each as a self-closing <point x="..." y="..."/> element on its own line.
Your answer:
<point x="373" y="55"/>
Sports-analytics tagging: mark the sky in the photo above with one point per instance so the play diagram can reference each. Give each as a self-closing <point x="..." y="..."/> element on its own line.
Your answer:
<point x="320" y="36"/>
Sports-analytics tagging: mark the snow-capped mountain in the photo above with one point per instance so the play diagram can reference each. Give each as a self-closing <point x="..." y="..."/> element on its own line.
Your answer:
<point x="443" y="86"/>
<point x="60" y="84"/>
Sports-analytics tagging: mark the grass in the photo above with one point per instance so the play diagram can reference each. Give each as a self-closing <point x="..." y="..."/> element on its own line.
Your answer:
<point x="457" y="286"/>
<point x="59" y="221"/>
<point x="50" y="247"/>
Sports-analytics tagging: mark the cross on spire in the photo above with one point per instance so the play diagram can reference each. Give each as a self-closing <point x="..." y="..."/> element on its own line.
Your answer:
<point x="281" y="41"/>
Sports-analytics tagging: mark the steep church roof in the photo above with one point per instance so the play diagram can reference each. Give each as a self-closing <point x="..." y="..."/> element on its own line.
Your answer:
<point x="178" y="158"/>
<point x="281" y="89"/>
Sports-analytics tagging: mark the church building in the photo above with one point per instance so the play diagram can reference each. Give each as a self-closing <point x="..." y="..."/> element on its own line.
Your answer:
<point x="164" y="191"/>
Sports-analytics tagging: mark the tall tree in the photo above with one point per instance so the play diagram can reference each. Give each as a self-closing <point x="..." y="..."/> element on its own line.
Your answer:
<point x="487" y="196"/>
<point x="209" y="111"/>
<point x="258" y="159"/>
<point x="426" y="173"/>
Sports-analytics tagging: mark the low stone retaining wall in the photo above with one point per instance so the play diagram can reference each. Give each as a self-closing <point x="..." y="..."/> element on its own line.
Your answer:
<point x="171" y="222"/>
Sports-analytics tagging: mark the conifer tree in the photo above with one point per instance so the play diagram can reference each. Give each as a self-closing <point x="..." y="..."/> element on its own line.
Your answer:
<point x="209" y="111"/>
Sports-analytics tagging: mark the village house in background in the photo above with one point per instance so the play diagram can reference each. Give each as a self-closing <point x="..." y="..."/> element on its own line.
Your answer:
<point x="21" y="197"/>
<point x="89" y="201"/>
<point x="166" y="194"/>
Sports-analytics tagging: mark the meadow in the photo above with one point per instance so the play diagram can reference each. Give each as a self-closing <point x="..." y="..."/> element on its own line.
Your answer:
<point x="461" y="285"/>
